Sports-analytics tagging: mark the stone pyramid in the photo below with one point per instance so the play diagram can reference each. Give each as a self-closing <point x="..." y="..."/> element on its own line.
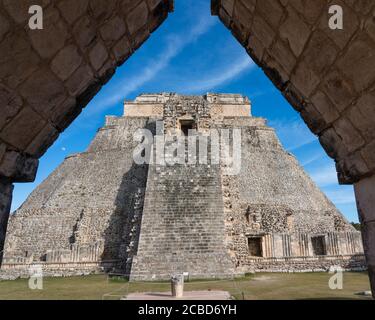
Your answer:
<point x="102" y="211"/>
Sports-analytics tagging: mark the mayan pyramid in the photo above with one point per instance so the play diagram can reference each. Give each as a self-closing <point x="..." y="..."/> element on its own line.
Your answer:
<point x="100" y="210"/>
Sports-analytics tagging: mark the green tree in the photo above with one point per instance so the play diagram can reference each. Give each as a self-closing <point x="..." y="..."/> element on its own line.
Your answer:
<point x="356" y="225"/>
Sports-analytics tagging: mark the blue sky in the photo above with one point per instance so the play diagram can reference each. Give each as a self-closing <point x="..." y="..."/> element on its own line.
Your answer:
<point x="193" y="53"/>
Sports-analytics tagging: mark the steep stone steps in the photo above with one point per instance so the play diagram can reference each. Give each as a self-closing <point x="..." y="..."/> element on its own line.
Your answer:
<point x="183" y="222"/>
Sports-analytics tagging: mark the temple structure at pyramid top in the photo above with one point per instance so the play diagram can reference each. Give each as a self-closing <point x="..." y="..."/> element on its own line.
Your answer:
<point x="121" y="207"/>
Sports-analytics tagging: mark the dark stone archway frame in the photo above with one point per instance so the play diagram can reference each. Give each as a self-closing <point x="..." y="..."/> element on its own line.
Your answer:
<point x="48" y="76"/>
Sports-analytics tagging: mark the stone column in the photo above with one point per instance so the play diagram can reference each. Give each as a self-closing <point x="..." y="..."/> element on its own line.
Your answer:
<point x="6" y="189"/>
<point x="365" y="195"/>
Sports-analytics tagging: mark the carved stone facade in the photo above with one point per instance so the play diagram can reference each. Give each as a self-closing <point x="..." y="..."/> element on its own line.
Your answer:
<point x="100" y="211"/>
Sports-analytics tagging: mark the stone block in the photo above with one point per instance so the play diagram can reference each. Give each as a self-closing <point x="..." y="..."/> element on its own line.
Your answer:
<point x="249" y="4"/>
<point x="3" y="148"/>
<point x="368" y="237"/>
<point x="42" y="141"/>
<point x="294" y="97"/>
<point x="294" y="31"/>
<point x="98" y="55"/>
<point x="140" y="37"/>
<point x="362" y="115"/>
<point x="137" y="18"/>
<point x="225" y="18"/>
<point x="339" y="89"/>
<point x="4" y="26"/>
<point x="263" y="31"/>
<point x="352" y="168"/>
<point x="79" y="80"/>
<point x="313" y="118"/>
<point x="273" y="69"/>
<point x="255" y="49"/>
<point x="66" y="62"/>
<point x="365" y="196"/>
<point x="122" y="50"/>
<point x="154" y="3"/>
<point x="305" y="79"/>
<point x="10" y="103"/>
<point x="350" y="136"/>
<point x="370" y="26"/>
<point x="320" y="52"/>
<point x="310" y="10"/>
<point x="368" y="154"/>
<point x="27" y="120"/>
<point x="324" y="106"/>
<point x="48" y="41"/>
<point x="103" y="10"/>
<point x="84" y="31"/>
<point x="228" y="6"/>
<point x="243" y="19"/>
<point x="113" y="30"/>
<point x="17" y="60"/>
<point x="62" y="115"/>
<point x="71" y="10"/>
<point x="333" y="144"/>
<point x="271" y="11"/>
<point x="283" y="55"/>
<point x="355" y="63"/>
<point x="43" y="91"/>
<point x="18" y="167"/>
<point x="361" y="6"/>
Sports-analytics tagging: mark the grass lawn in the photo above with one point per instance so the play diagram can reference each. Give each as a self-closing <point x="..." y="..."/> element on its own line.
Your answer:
<point x="258" y="286"/>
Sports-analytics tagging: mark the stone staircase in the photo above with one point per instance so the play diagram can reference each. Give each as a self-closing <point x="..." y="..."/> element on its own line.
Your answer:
<point x="182" y="227"/>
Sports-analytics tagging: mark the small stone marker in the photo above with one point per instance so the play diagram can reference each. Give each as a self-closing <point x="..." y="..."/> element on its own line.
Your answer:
<point x="177" y="284"/>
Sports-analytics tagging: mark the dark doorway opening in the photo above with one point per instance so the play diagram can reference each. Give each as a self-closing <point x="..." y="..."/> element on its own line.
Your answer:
<point x="186" y="125"/>
<point x="318" y="244"/>
<point x="255" y="246"/>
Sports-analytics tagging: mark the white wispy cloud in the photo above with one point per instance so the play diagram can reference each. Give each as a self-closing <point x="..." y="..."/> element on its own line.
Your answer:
<point x="175" y="44"/>
<point x="324" y="175"/>
<point x="260" y="93"/>
<point x="311" y="159"/>
<point x="340" y="197"/>
<point x="220" y="76"/>
<point x="293" y="134"/>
